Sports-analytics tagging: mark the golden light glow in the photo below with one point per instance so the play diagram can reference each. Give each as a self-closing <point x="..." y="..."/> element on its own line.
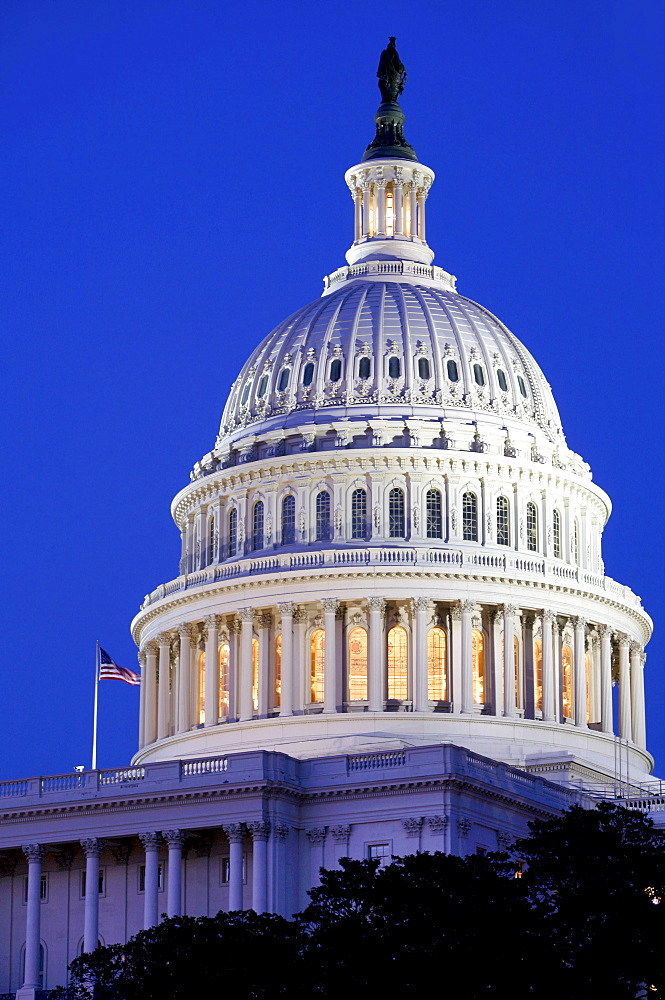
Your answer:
<point x="398" y="664"/>
<point x="437" y="677"/>
<point x="567" y="670"/>
<point x="202" y="686"/>
<point x="587" y="671"/>
<point x="357" y="664"/>
<point x="255" y="674"/>
<point x="538" y="670"/>
<point x="278" y="669"/>
<point x="478" y="665"/>
<point x="317" y="662"/>
<point x="407" y="215"/>
<point x="224" y="664"/>
<point x="518" y="673"/>
<point x="390" y="211"/>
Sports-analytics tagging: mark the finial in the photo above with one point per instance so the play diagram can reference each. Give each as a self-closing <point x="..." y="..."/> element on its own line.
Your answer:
<point x="389" y="140"/>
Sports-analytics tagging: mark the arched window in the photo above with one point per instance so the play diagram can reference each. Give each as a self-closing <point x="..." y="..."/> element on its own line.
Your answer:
<point x="396" y="516"/>
<point x="289" y="520"/>
<point x="470" y="517"/>
<point x="398" y="664"/>
<point x="224" y="665"/>
<point x="478" y="665"/>
<point x="245" y="394"/>
<point x="359" y="514"/>
<point x="317" y="664"/>
<point x="257" y="526"/>
<point x="278" y="670"/>
<point x="501" y="378"/>
<point x="567" y="678"/>
<point x="263" y="385"/>
<point x="394" y="367"/>
<point x="479" y="374"/>
<point x="42" y="961"/>
<point x="335" y="370"/>
<point x="308" y="373"/>
<point x="423" y="368"/>
<point x="202" y="686"/>
<point x="531" y="527"/>
<point x="502" y="521"/>
<point x="233" y="531"/>
<point x="520" y="382"/>
<point x="556" y="534"/>
<point x="357" y="673"/>
<point x="434" y="514"/>
<point x="437" y="674"/>
<point x="283" y="379"/>
<point x="538" y="671"/>
<point x="323" y="516"/>
<point x="453" y="374"/>
<point x="364" y="368"/>
<point x="255" y="674"/>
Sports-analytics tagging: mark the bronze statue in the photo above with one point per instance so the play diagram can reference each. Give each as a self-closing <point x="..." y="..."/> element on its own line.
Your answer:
<point x="391" y="73"/>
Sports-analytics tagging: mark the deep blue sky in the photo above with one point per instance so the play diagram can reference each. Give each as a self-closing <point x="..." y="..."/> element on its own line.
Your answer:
<point x="171" y="178"/>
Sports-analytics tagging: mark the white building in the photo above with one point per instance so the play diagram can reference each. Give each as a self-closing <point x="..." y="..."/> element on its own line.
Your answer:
<point x="391" y="629"/>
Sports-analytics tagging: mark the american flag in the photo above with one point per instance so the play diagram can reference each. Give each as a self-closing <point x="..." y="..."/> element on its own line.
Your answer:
<point x="109" y="670"/>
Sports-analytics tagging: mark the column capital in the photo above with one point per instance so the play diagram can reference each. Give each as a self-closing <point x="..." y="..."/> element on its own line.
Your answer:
<point x="92" y="847"/>
<point x="456" y="611"/>
<point x="635" y="647"/>
<point x="142" y="657"/>
<point x="623" y="640"/>
<point x="438" y="824"/>
<point x="509" y="610"/>
<point x="376" y="604"/>
<point x="317" y="834"/>
<point x="413" y="825"/>
<point x="341" y="834"/>
<point x="299" y="616"/>
<point x="330" y="605"/>
<point x="463" y="826"/>
<point x="212" y="621"/>
<point x="468" y="607"/>
<point x="150" y="840"/>
<point x="34" y="852"/>
<point x="164" y="639"/>
<point x="233" y="626"/>
<point x="259" y="829"/>
<point x="529" y="618"/>
<point x="235" y="832"/>
<point x="185" y="630"/>
<point x="420" y="604"/>
<point x="604" y="631"/>
<point x="173" y="838"/>
<point x="286" y="610"/>
<point x="579" y="622"/>
<point x="151" y="648"/>
<point x="246" y="615"/>
<point x="548" y="615"/>
<point x="281" y="831"/>
<point x="264" y="620"/>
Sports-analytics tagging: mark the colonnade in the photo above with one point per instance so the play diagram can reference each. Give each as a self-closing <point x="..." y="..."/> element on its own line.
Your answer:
<point x="416" y="655"/>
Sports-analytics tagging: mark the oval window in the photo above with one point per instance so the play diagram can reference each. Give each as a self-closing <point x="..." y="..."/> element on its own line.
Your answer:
<point x="479" y="375"/>
<point x="336" y="370"/>
<point x="394" y="368"/>
<point x="308" y="373"/>
<point x="245" y="394"/>
<point x="423" y="368"/>
<point x="262" y="386"/>
<point x="453" y="374"/>
<point x="283" y="379"/>
<point x="520" y="382"/>
<point x="503" y="385"/>
<point x="364" y="368"/>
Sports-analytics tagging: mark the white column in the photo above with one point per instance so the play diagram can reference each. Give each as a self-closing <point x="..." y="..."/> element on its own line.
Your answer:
<point x="549" y="711"/>
<point x="558" y="675"/>
<point x="376" y="679"/>
<point x="151" y="843"/>
<point x="579" y="673"/>
<point x="636" y="694"/>
<point x="421" y="215"/>
<point x="640" y="718"/>
<point x="300" y="661"/>
<point x="414" y="210"/>
<point x="233" y="627"/>
<point x="142" y="659"/>
<point x="456" y="697"/>
<point x="184" y="680"/>
<point x="467" y="658"/>
<point x="399" y="213"/>
<point x="510" y="691"/>
<point x="420" y="606"/>
<point x="211" y="701"/>
<point x="260" y="831"/>
<point x="330" y="606"/>
<point x="357" y="213"/>
<point x="236" y="834"/>
<point x="286" y="696"/>
<point x="34" y="853"/>
<point x="150" y="699"/>
<point x="625" y="722"/>
<point x="497" y="661"/>
<point x="606" y="713"/>
<point x="92" y="849"/>
<point x="366" y="197"/>
<point x="163" y="707"/>
<point x="174" y="841"/>
<point x="381" y="206"/>
<point x="264" y="623"/>
<point x="245" y="671"/>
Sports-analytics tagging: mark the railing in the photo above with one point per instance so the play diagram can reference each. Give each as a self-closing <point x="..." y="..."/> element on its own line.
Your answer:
<point x="62" y="783"/>
<point x="121" y="775"/>
<point x="12" y="788"/>
<point x="372" y="761"/>
<point x="206" y="765"/>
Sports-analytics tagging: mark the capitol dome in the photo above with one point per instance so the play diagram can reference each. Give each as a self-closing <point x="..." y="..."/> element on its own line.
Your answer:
<point x="390" y="543"/>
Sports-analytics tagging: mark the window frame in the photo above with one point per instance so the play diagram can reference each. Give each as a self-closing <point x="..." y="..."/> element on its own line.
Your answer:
<point x="396" y="515"/>
<point x="470" y="531"/>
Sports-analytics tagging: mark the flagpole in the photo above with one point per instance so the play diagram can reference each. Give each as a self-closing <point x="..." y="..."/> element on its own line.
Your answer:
<point x="94" y="714"/>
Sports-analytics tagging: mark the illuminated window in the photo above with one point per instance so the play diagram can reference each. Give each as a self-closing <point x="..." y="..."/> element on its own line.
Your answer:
<point x="202" y="685"/>
<point x="502" y="521"/>
<point x="407" y="213"/>
<point x="263" y="385"/>
<point x="518" y="674"/>
<point x="278" y="669"/>
<point x="335" y="370"/>
<point x="323" y="516"/>
<point x="531" y="527"/>
<point x="556" y="534"/>
<point x="257" y="526"/>
<point x="587" y="673"/>
<point x="390" y="211"/>
<point x="283" y="379"/>
<point x="357" y="664"/>
<point x="434" y="514"/>
<point x="396" y="515"/>
<point x="255" y="674"/>
<point x="479" y="375"/>
<point x="364" y="368"/>
<point x="501" y="376"/>
<point x="520" y="382"/>
<point x="224" y="666"/>
<point x="437" y="677"/>
<point x="423" y="368"/>
<point x="538" y="670"/>
<point x="233" y="531"/>
<point x="359" y="514"/>
<point x="394" y="367"/>
<point x="317" y="664"/>
<point x="453" y="374"/>
<point x="567" y="672"/>
<point x="398" y="664"/>
<point x="288" y="520"/>
<point x="372" y="212"/>
<point x="308" y="373"/>
<point x="470" y="517"/>
<point x="478" y="665"/>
